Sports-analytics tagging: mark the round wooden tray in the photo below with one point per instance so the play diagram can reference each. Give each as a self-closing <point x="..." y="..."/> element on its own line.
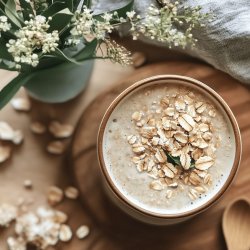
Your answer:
<point x="115" y="230"/>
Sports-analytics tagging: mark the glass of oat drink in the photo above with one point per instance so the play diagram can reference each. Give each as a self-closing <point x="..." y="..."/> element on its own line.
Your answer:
<point x="169" y="147"/>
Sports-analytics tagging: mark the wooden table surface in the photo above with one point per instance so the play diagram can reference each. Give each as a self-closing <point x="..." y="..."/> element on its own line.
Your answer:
<point x="31" y="161"/>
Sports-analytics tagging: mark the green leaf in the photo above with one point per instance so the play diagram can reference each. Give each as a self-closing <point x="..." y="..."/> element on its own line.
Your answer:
<point x="60" y="20"/>
<point x="26" y="9"/>
<point x="121" y="11"/>
<point x="87" y="52"/>
<point x="47" y="61"/>
<point x="175" y="160"/>
<point x="11" y="13"/>
<point x="192" y="163"/>
<point x="70" y="4"/>
<point x="4" y="54"/>
<point x="12" y="87"/>
<point x="53" y="9"/>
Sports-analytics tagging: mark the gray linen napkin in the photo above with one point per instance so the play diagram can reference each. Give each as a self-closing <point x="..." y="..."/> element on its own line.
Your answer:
<point x="223" y="43"/>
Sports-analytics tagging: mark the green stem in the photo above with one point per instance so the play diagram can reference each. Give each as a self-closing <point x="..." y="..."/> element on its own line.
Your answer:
<point x="64" y="29"/>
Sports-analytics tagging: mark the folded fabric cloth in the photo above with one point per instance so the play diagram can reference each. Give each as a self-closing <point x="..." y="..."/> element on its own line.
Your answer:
<point x="224" y="42"/>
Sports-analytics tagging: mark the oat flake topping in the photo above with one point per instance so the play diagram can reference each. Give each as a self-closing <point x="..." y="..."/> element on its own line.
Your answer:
<point x="175" y="144"/>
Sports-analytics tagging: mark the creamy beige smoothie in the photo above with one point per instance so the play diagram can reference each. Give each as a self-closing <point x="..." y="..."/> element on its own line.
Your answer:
<point x="168" y="148"/>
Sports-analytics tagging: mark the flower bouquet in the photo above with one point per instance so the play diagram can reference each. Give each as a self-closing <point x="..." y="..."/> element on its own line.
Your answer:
<point x="36" y="35"/>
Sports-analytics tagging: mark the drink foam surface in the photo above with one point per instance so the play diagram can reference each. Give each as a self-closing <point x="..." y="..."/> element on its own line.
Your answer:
<point x="118" y="153"/>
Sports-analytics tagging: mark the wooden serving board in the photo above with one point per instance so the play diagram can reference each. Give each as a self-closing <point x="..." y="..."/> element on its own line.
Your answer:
<point x="113" y="229"/>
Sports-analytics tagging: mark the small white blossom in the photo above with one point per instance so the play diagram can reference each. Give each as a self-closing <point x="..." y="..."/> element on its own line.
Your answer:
<point x="31" y="37"/>
<point x="160" y="24"/>
<point x="107" y="17"/>
<point x="85" y="25"/>
<point x="50" y="42"/>
<point x="131" y="14"/>
<point x="167" y="24"/>
<point x="40" y="19"/>
<point x="4" y="25"/>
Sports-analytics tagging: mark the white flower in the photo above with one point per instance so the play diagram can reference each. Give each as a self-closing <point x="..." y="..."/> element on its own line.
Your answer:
<point x="4" y="25"/>
<point x="40" y="19"/>
<point x="3" y="19"/>
<point x="130" y="14"/>
<point x="160" y="24"/>
<point x="33" y="36"/>
<point x="107" y="17"/>
<point x="85" y="25"/>
<point x="50" y="42"/>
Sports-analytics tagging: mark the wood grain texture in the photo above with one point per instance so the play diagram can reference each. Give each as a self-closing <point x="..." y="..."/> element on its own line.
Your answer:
<point x="114" y="230"/>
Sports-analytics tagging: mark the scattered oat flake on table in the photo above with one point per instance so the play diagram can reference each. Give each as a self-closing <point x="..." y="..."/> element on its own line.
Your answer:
<point x="55" y="195"/>
<point x="6" y="131"/>
<point x="44" y="212"/>
<point x="16" y="243"/>
<point x="60" y="217"/>
<point x="18" y="137"/>
<point x="82" y="232"/>
<point x="60" y="130"/>
<point x="71" y="193"/>
<point x="37" y="127"/>
<point x="65" y="233"/>
<point x="27" y="184"/>
<point x="56" y="147"/>
<point x="21" y="104"/>
<point x="8" y="213"/>
<point x="39" y="228"/>
<point x="138" y="59"/>
<point x="5" y="152"/>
